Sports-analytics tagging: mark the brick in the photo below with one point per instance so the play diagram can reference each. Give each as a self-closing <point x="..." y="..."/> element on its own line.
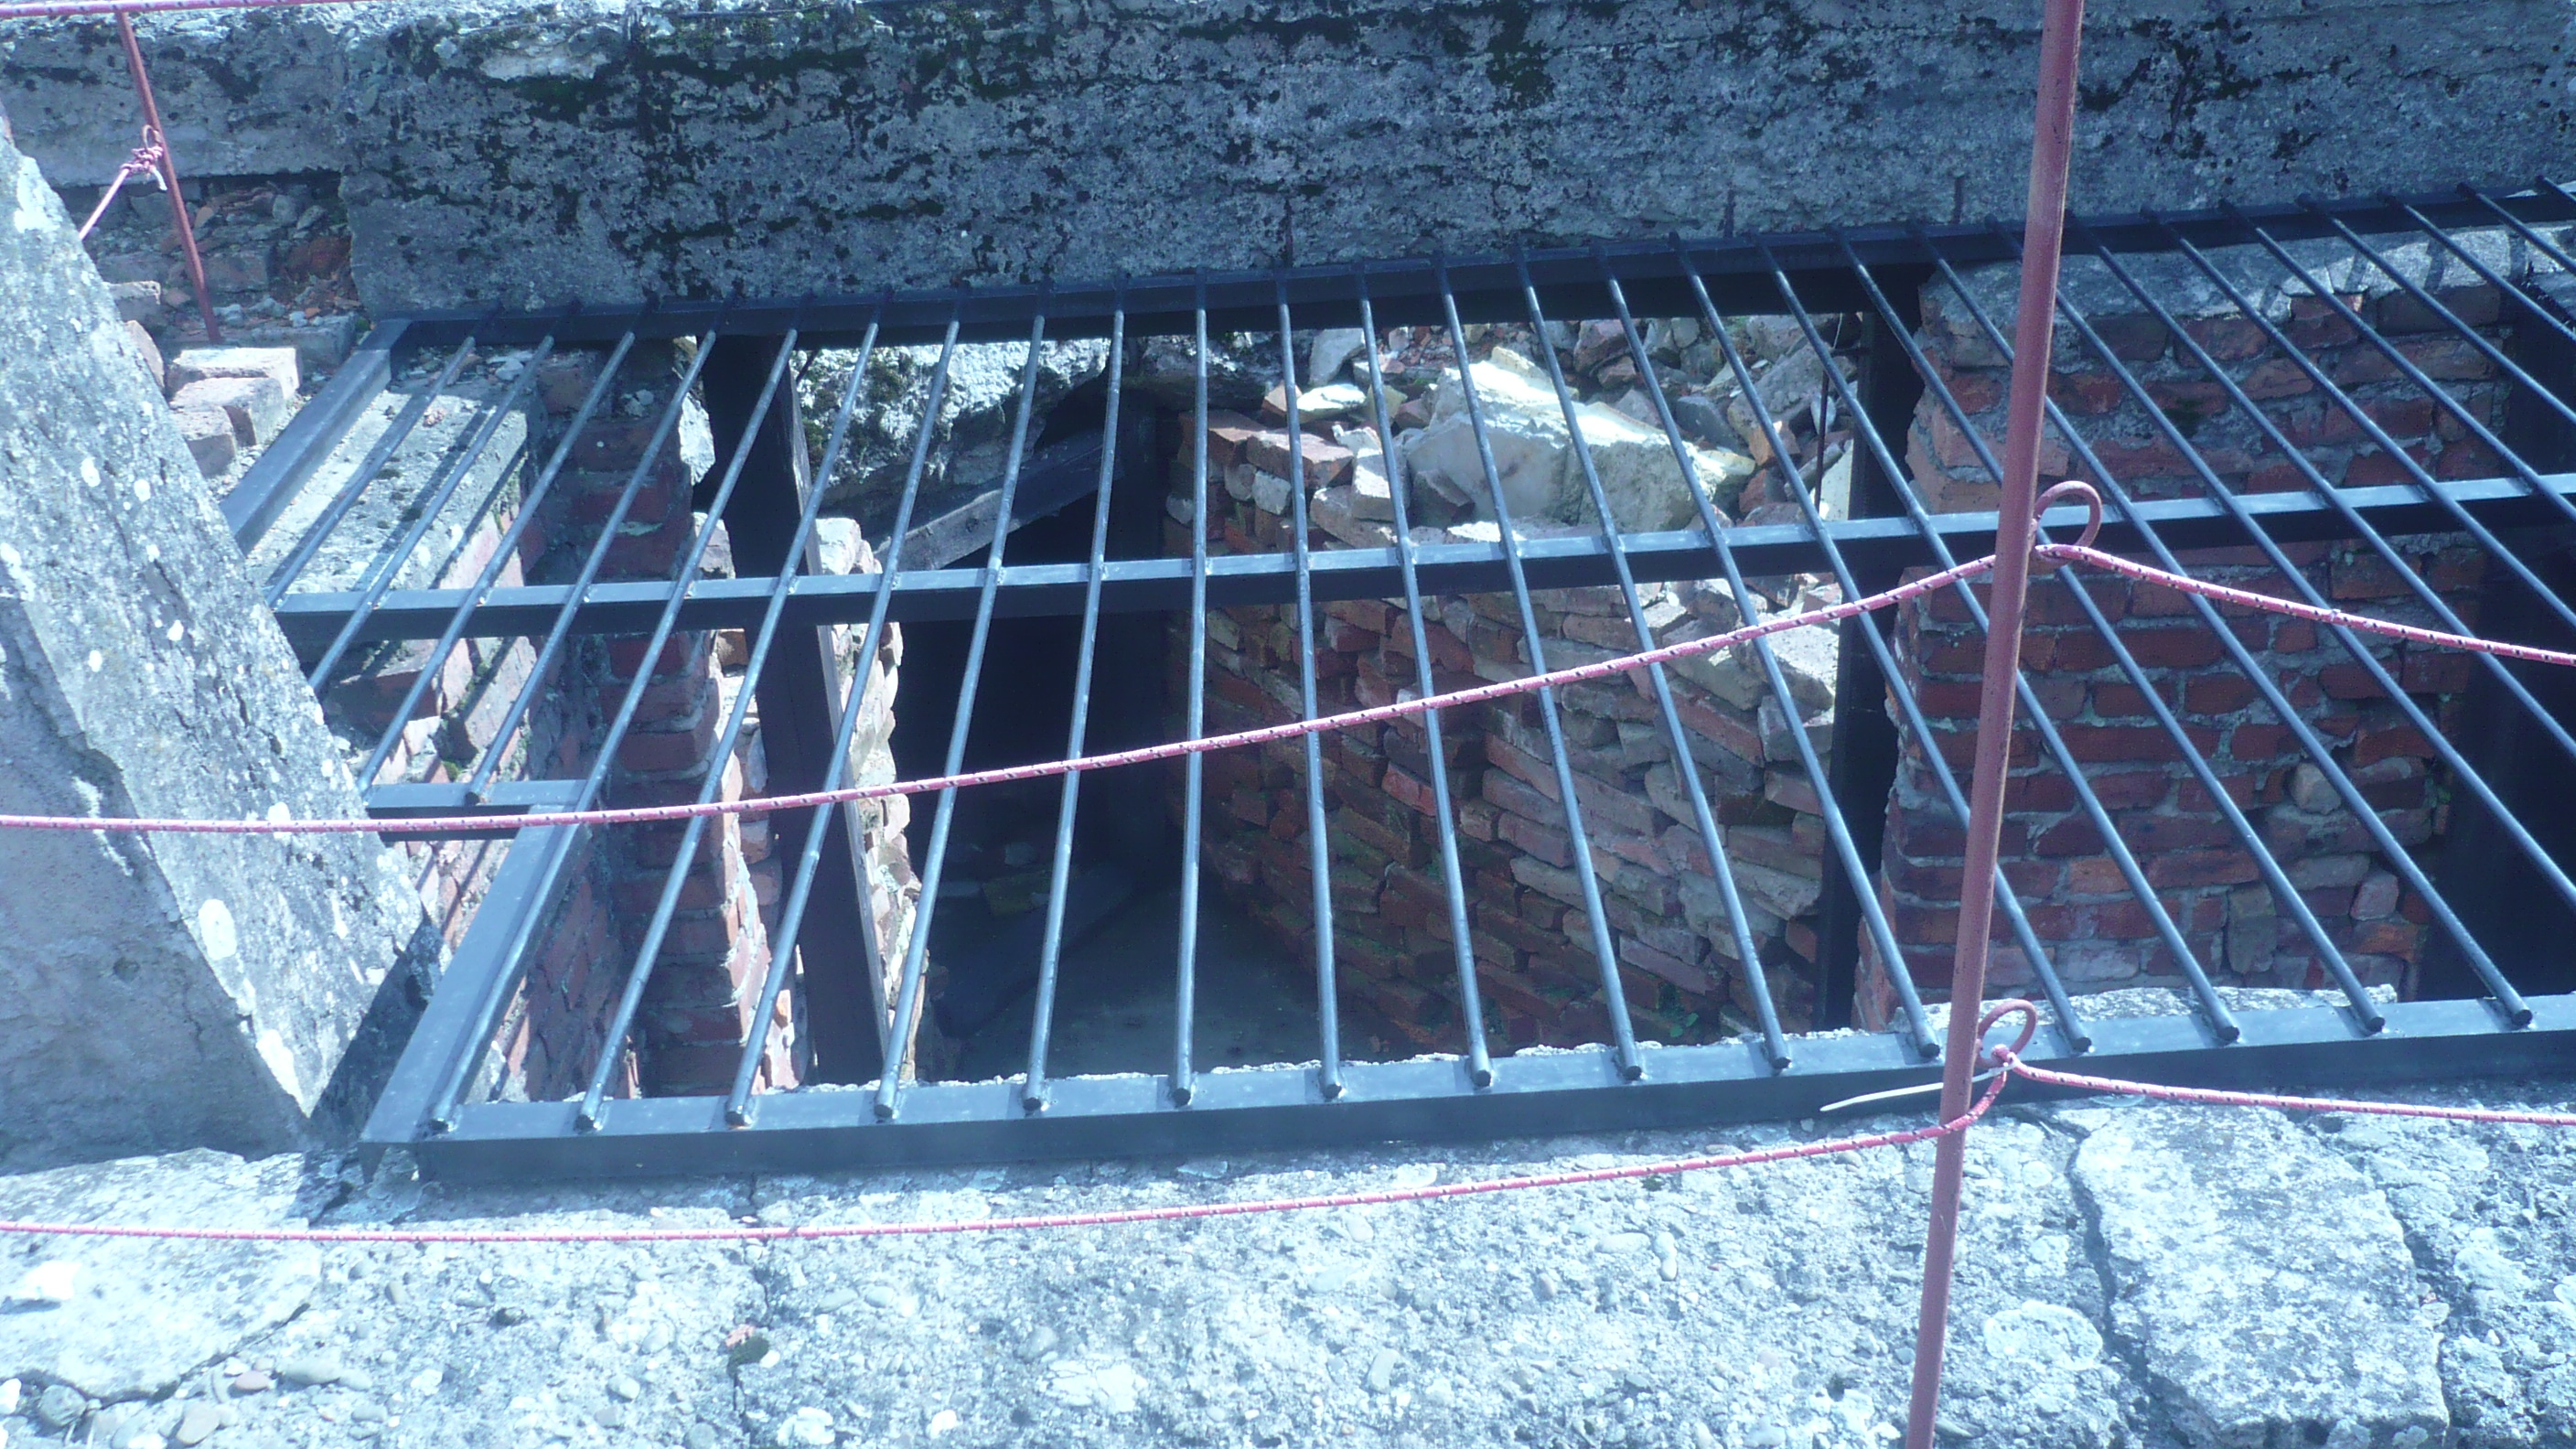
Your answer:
<point x="1547" y="843"/>
<point x="2201" y="868"/>
<point x="208" y="432"/>
<point x="1976" y="392"/>
<point x="2188" y="647"/>
<point x="2132" y="338"/>
<point x="2228" y="339"/>
<point x="2315" y="323"/>
<point x="681" y="654"/>
<point x="1325" y="463"/>
<point x="1548" y="880"/>
<point x="1227" y="434"/>
<point x="202" y="364"/>
<point x="2086" y="393"/>
<point x="2276" y="379"/>
<point x="2095" y="744"/>
<point x="2376" y="468"/>
<point x="2468" y="459"/>
<point x="255" y="406"/>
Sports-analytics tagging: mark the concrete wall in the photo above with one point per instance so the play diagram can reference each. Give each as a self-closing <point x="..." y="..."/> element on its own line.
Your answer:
<point x="183" y="990"/>
<point x="532" y="152"/>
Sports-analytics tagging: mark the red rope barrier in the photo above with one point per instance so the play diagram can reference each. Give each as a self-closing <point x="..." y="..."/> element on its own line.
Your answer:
<point x="1144" y="755"/>
<point x="2054" y="552"/>
<point x="147" y="159"/>
<point x="2207" y="1097"/>
<point x="2069" y="552"/>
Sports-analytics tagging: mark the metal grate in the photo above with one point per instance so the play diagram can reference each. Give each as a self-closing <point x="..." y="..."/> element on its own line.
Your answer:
<point x="743" y="361"/>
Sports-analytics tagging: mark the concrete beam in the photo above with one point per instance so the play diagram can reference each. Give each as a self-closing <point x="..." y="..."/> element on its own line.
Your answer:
<point x="182" y="991"/>
<point x="533" y="152"/>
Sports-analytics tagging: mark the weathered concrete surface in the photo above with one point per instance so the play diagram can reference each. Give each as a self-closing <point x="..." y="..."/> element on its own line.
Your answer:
<point x="529" y="152"/>
<point x="189" y="990"/>
<point x="2254" y="1335"/>
<point x="1753" y="1309"/>
<point x="199" y="1299"/>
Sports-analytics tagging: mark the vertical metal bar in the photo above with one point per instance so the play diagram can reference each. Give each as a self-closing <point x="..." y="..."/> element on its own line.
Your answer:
<point x="791" y="917"/>
<point x="791" y="555"/>
<point x="798" y="695"/>
<point x="1748" y="956"/>
<point x="500" y="560"/>
<point x="2069" y="1024"/>
<point x="381" y="577"/>
<point x="169" y="167"/>
<point x="1328" y="1071"/>
<point x="1614" y="1000"/>
<point x="1471" y="1006"/>
<point x="2015" y="528"/>
<point x="1193" y="766"/>
<point x="916" y="959"/>
<point x="1033" y="1091"/>
<point x="1866" y="746"/>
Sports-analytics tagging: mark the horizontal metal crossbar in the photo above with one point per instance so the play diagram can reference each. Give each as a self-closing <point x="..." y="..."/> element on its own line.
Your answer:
<point x="1158" y="585"/>
<point x="1280" y="1108"/>
<point x="860" y="1001"/>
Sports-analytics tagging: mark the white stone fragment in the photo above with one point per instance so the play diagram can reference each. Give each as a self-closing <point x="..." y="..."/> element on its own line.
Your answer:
<point x="48" y="1285"/>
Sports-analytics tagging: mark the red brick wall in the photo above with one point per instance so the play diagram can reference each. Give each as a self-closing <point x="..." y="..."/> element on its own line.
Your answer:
<point x="2100" y="936"/>
<point x="713" y="958"/>
<point x="1528" y="930"/>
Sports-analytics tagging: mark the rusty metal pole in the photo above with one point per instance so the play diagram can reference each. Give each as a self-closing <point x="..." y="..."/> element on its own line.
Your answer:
<point x="2016" y="526"/>
<point x="155" y="136"/>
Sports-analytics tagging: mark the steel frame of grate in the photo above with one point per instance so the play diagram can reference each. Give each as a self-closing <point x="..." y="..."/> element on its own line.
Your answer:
<point x="745" y="352"/>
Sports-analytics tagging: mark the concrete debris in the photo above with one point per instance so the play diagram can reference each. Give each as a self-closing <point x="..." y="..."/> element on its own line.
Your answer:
<point x="254" y="405"/>
<point x="1534" y="456"/>
<point x="205" y="364"/>
<point x="970" y="436"/>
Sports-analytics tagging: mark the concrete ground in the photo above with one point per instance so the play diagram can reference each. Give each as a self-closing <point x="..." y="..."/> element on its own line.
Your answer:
<point x="2133" y="1275"/>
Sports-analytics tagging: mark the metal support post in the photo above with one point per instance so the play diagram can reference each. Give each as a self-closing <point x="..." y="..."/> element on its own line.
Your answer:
<point x="169" y="167"/>
<point x="800" y="708"/>
<point x="1862" y="769"/>
<point x="2016" y="525"/>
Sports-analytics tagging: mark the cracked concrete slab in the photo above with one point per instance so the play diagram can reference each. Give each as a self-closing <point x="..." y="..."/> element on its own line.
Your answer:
<point x="2487" y="1217"/>
<point x="2145" y="1276"/>
<point x="676" y="148"/>
<point x="133" y="1319"/>
<point x="2264" y="1285"/>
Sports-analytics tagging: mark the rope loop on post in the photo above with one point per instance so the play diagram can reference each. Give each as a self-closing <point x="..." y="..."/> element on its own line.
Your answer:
<point x="2043" y="560"/>
<point x="2005" y="1056"/>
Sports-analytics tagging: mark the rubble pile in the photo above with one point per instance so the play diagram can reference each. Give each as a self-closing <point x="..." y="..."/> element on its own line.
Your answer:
<point x="1530" y="935"/>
